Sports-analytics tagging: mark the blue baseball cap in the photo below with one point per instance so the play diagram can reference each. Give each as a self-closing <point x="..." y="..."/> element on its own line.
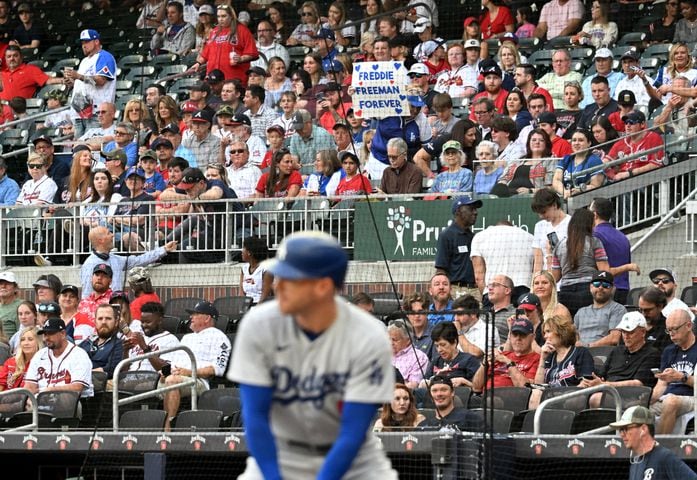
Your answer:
<point x="465" y="200"/>
<point x="89" y="35"/>
<point x="310" y="255"/>
<point x="135" y="171"/>
<point x="415" y="100"/>
<point x="325" y="33"/>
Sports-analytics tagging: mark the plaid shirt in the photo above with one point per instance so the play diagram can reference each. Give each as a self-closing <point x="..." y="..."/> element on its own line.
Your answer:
<point x="262" y="120"/>
<point x="206" y="151"/>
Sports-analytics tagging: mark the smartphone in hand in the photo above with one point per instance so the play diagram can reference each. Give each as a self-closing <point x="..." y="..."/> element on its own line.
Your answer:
<point x="553" y="239"/>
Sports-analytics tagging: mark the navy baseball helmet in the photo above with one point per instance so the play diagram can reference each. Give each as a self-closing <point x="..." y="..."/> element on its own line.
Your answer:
<point x="307" y="255"/>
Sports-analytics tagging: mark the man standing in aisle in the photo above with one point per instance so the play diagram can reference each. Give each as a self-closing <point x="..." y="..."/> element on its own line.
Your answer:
<point x="94" y="82"/>
<point x="454" y="245"/>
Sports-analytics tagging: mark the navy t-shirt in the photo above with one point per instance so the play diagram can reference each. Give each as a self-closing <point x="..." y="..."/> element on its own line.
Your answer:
<point x="661" y="464"/>
<point x="463" y="365"/>
<point x="577" y="364"/>
<point x="683" y="361"/>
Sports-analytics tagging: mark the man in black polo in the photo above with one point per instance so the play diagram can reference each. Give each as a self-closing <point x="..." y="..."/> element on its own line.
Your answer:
<point x="629" y="364"/>
<point x="453" y="257"/>
<point x="651" y="303"/>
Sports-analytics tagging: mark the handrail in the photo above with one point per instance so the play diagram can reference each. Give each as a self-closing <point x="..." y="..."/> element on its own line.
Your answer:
<point x="662" y="222"/>
<point x="157" y="391"/>
<point x="598" y="388"/>
<point x="34" y="425"/>
<point x="20" y="151"/>
<point x="36" y="115"/>
<point x="355" y="23"/>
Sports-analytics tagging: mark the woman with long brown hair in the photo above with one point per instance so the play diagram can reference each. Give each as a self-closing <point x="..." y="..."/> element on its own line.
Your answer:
<point x="167" y="112"/>
<point x="76" y="186"/>
<point x="400" y="413"/>
<point x="282" y="179"/>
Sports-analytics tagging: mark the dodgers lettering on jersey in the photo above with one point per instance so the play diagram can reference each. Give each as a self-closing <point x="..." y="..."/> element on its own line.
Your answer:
<point x="313" y="387"/>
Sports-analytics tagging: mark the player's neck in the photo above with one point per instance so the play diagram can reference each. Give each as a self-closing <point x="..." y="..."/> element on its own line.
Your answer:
<point x="318" y="319"/>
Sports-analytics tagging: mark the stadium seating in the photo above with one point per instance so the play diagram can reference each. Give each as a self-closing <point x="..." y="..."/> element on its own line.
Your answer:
<point x="552" y="422"/>
<point x="143" y="420"/>
<point x="203" y="420"/>
<point x="631" y="396"/>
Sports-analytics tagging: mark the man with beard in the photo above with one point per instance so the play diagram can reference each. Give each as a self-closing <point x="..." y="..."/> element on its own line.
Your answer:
<point x="153" y="338"/>
<point x="439" y="290"/>
<point x="664" y="279"/>
<point x="454" y="244"/>
<point x="60" y="365"/>
<point x="447" y="414"/>
<point x="102" y="275"/>
<point x="651" y="303"/>
<point x="597" y="323"/>
<point x="105" y="349"/>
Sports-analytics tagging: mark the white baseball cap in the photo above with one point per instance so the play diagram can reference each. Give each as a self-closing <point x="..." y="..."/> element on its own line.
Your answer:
<point x="8" y="277"/>
<point x="631" y="321"/>
<point x="472" y="43"/>
<point x="603" y="53"/>
<point x="421" y="24"/>
<point x="418" y="69"/>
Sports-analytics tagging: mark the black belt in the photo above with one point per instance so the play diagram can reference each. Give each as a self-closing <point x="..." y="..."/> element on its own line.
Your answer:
<point x="307" y="447"/>
<point x="464" y="284"/>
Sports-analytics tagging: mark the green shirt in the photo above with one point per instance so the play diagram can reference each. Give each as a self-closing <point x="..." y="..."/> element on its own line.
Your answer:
<point x="8" y="316"/>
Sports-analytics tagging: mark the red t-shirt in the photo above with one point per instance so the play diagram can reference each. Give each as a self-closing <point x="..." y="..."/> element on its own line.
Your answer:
<point x="295" y="179"/>
<point x="615" y="119"/>
<point x="548" y="97"/>
<point x="326" y="119"/>
<point x="527" y="364"/>
<point x="434" y="70"/>
<point x="357" y="185"/>
<point x="626" y="146"/>
<point x="22" y="81"/>
<point x="491" y="29"/>
<point x="217" y="52"/>
<point x="138" y="302"/>
<point x="561" y="147"/>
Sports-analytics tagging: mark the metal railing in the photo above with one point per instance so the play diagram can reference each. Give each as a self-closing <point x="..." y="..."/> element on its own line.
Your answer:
<point x="537" y="419"/>
<point x="34" y="425"/>
<point x="153" y="393"/>
<point x="62" y="230"/>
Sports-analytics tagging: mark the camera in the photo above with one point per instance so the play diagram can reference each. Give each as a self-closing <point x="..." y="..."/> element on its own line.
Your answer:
<point x="320" y="97"/>
<point x="519" y="312"/>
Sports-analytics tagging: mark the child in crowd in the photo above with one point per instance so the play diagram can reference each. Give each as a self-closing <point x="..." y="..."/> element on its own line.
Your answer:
<point x="56" y="99"/>
<point x="526" y="29"/>
<point x="358" y="127"/>
<point x="444" y="120"/>
<point x="154" y="183"/>
<point x="287" y="104"/>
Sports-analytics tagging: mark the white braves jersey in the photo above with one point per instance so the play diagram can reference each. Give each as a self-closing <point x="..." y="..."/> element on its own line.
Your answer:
<point x="73" y="366"/>
<point x="158" y="342"/>
<point x="211" y="348"/>
<point x="37" y="192"/>
<point x="312" y="379"/>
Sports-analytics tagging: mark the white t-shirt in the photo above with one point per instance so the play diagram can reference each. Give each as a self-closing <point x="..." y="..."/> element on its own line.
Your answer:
<point x="161" y="341"/>
<point x="506" y="250"/>
<point x="542" y="228"/>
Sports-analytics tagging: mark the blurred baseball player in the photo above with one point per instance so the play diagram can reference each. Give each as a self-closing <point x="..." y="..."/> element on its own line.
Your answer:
<point x="312" y="371"/>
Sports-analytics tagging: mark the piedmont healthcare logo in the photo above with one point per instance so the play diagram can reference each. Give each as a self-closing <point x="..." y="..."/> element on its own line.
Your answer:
<point x="399" y="221"/>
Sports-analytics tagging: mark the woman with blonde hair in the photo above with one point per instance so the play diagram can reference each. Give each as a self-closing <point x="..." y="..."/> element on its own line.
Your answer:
<point x="545" y="287"/>
<point x="509" y="57"/>
<point x="277" y="82"/>
<point x="204" y="27"/>
<point x="365" y="146"/>
<point x="310" y="24"/>
<point x="336" y="19"/>
<point x="365" y="47"/>
<point x="680" y="63"/>
<point x="138" y="114"/>
<point x="12" y="371"/>
<point x="400" y="414"/>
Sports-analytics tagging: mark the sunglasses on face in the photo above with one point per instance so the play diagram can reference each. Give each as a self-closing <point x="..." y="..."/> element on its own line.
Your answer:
<point x="664" y="281"/>
<point x="35" y="166"/>
<point x="598" y="284"/>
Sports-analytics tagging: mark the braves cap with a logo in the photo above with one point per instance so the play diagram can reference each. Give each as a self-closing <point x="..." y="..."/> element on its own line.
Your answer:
<point x="203" y="307"/>
<point x="202" y="116"/>
<point x="52" y="325"/>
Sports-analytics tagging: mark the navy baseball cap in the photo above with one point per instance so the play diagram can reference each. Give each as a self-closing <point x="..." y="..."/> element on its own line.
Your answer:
<point x="136" y="171"/>
<point x="310" y="255"/>
<point x="161" y="142"/>
<point x="522" y="325"/>
<point x="170" y="127"/>
<point x="204" y="307"/>
<point x="324" y="33"/>
<point x="52" y="325"/>
<point x="465" y="200"/>
<point x="529" y="301"/>
<point x="103" y="268"/>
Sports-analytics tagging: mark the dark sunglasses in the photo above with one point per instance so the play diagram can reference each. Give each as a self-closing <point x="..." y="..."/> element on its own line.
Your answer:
<point x="35" y="166"/>
<point x="598" y="284"/>
<point x="664" y="281"/>
<point x="233" y="152"/>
